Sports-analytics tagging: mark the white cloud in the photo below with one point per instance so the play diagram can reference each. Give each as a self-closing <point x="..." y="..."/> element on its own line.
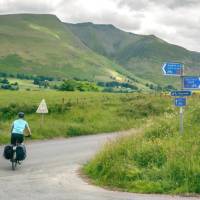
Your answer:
<point x="176" y="21"/>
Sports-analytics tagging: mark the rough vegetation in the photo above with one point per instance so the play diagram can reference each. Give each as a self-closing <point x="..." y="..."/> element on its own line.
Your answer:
<point x="156" y="160"/>
<point x="76" y="113"/>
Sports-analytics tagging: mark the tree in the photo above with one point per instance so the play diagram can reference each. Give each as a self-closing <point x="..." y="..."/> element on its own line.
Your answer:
<point x="68" y="85"/>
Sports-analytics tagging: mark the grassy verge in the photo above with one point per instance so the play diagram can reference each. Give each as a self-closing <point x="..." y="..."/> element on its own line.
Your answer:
<point x="159" y="160"/>
<point x="74" y="114"/>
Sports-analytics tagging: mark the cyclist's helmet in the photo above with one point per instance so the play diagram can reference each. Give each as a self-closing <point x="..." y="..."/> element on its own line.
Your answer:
<point x="21" y="115"/>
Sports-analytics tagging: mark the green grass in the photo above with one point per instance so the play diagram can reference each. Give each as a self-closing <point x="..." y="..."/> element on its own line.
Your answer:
<point x="156" y="160"/>
<point x="74" y="114"/>
<point x="24" y="84"/>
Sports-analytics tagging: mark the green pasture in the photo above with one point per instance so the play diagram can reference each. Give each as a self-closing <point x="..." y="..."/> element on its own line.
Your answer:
<point x="76" y="113"/>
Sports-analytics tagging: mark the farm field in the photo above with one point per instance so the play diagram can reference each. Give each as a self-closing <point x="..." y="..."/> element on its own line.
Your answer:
<point x="29" y="85"/>
<point x="157" y="159"/>
<point x="76" y="113"/>
<point x="24" y="84"/>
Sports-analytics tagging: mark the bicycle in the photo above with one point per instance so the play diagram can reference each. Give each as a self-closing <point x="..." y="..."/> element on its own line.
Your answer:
<point x="14" y="159"/>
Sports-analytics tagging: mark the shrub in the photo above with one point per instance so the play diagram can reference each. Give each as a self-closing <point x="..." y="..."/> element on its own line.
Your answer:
<point x="13" y="109"/>
<point x="73" y="85"/>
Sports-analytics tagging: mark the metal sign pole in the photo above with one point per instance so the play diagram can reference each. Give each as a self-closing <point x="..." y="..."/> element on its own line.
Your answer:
<point x="181" y="120"/>
<point x="181" y="108"/>
<point x="42" y="120"/>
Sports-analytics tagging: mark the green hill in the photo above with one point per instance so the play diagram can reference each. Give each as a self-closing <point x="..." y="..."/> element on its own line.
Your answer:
<point x="43" y="45"/>
<point x="140" y="54"/>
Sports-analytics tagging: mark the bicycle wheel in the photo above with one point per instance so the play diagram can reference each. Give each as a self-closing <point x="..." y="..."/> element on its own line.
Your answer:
<point x="14" y="161"/>
<point x="14" y="164"/>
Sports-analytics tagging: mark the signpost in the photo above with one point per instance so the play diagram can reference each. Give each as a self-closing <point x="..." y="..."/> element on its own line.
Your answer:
<point x="188" y="83"/>
<point x="180" y="102"/>
<point x="42" y="109"/>
<point x="173" y="69"/>
<point x="181" y="93"/>
<point x="191" y="82"/>
<point x="177" y="69"/>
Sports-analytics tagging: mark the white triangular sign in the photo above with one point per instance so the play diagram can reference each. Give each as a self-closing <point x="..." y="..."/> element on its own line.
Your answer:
<point x="42" y="109"/>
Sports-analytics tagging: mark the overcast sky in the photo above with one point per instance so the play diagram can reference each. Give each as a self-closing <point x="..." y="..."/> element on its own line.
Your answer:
<point x="176" y="21"/>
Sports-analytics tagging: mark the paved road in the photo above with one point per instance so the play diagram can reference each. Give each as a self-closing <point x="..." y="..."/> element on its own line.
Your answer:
<point x="51" y="173"/>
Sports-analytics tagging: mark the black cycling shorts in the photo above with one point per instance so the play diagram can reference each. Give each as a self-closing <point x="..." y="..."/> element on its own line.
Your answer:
<point x="17" y="138"/>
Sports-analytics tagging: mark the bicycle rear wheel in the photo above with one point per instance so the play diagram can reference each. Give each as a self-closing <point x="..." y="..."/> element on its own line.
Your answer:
<point x="14" y="161"/>
<point x="14" y="164"/>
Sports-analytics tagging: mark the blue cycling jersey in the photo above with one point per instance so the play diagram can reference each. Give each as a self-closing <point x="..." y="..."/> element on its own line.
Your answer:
<point x="19" y="126"/>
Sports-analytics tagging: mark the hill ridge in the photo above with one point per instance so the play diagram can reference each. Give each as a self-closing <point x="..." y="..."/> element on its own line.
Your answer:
<point x="141" y="55"/>
<point x="43" y="45"/>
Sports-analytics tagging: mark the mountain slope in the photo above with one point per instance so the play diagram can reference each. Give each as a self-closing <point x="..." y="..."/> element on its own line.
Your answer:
<point x="43" y="45"/>
<point x="141" y="55"/>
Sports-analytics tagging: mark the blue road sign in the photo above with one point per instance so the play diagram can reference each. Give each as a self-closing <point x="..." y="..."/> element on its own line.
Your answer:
<point x="180" y="102"/>
<point x="172" y="69"/>
<point x="181" y="93"/>
<point x="191" y="82"/>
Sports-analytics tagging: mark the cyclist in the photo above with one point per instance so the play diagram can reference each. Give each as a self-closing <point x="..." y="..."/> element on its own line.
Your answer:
<point x="17" y="129"/>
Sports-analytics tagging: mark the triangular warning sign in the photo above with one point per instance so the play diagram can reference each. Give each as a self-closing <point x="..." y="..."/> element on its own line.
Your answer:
<point x="42" y="109"/>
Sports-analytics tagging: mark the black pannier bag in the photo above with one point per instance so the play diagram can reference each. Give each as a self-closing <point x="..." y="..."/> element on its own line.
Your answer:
<point x="8" y="152"/>
<point x="21" y="152"/>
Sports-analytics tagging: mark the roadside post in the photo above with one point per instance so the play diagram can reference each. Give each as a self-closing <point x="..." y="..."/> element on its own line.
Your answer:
<point x="181" y="101"/>
<point x="177" y="69"/>
<point x="42" y="109"/>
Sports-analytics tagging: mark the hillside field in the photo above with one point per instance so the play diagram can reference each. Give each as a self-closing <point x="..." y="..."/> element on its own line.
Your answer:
<point x="141" y="55"/>
<point x="43" y="45"/>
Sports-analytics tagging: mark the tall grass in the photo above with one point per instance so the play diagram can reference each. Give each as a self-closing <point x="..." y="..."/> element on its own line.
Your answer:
<point x="156" y="160"/>
<point x="74" y="114"/>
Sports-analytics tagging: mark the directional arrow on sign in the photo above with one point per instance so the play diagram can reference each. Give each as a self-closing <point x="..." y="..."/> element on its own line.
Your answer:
<point x="191" y="82"/>
<point x="173" y="69"/>
<point x="181" y="93"/>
